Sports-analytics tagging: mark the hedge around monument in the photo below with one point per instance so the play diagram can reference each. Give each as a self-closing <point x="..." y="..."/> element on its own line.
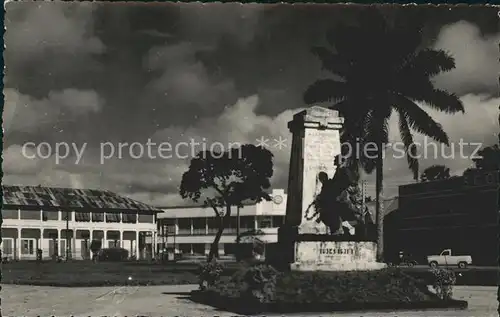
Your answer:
<point x="317" y="292"/>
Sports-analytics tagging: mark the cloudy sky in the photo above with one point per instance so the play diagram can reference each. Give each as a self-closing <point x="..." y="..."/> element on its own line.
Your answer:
<point x="100" y="74"/>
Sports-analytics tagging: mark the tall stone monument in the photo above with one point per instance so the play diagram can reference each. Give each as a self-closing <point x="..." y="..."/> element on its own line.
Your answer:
<point x="308" y="244"/>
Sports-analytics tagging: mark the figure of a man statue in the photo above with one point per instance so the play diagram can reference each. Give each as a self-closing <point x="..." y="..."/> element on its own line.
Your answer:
<point x="329" y="204"/>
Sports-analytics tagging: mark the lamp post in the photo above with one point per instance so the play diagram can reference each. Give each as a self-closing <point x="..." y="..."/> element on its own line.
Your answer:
<point x="237" y="226"/>
<point x="67" y="234"/>
<point x="70" y="202"/>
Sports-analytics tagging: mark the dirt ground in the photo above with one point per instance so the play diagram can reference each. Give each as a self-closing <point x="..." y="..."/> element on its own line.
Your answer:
<point x="172" y="301"/>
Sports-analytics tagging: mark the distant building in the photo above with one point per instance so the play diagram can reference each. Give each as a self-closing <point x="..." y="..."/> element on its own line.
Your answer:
<point x="34" y="218"/>
<point x="191" y="230"/>
<point x="460" y="213"/>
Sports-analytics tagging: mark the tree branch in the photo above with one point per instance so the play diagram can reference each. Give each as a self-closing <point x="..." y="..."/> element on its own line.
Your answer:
<point x="211" y="203"/>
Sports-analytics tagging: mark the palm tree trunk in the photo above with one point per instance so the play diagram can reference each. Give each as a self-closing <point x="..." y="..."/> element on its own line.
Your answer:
<point x="214" y="248"/>
<point x="379" y="204"/>
<point x="1" y="246"/>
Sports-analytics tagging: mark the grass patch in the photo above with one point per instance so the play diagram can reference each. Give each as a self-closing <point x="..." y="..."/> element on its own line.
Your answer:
<point x="253" y="291"/>
<point x="82" y="273"/>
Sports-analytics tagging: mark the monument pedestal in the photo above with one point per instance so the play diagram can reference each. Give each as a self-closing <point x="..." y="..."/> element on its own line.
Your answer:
<point x="304" y="241"/>
<point x="335" y="256"/>
<point x="321" y="252"/>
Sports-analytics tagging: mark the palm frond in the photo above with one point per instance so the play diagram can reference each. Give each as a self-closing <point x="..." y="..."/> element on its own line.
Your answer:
<point x="325" y="90"/>
<point x="420" y="121"/>
<point x="443" y="101"/>
<point x="421" y="89"/>
<point x="376" y="127"/>
<point x="410" y="147"/>
<point x="430" y="62"/>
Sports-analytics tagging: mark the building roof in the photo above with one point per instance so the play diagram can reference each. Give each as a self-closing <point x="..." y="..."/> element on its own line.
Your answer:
<point x="248" y="202"/>
<point x="52" y="198"/>
<point x="190" y="204"/>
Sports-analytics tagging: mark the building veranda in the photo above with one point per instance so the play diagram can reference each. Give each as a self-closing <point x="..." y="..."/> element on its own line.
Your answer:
<point x="49" y="219"/>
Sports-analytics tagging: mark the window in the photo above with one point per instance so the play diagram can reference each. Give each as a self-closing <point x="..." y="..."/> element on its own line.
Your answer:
<point x="185" y="248"/>
<point x="112" y="217"/>
<point x="170" y="225"/>
<point x="229" y="248"/>
<point x="213" y="225"/>
<point x="264" y="222"/>
<point x="62" y="248"/>
<point x="184" y="224"/>
<point x="7" y="246"/>
<point x="232" y="225"/>
<point x="446" y="253"/>
<point x="146" y="218"/>
<point x="129" y="217"/>
<point x="50" y="215"/>
<point x="10" y="214"/>
<point x="199" y="248"/>
<point x="199" y="226"/>
<point x="27" y="247"/>
<point x="113" y="243"/>
<point x="82" y="216"/>
<point x="97" y="217"/>
<point x="166" y="226"/>
<point x="247" y="223"/>
<point x="30" y="214"/>
<point x="115" y="235"/>
<point x="65" y="214"/>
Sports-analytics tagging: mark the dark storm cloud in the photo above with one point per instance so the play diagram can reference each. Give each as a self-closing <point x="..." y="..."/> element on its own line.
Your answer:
<point x="123" y="72"/>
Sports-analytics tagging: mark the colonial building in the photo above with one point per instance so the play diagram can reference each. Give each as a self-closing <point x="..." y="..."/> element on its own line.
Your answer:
<point x="460" y="213"/>
<point x="36" y="217"/>
<point x="191" y="230"/>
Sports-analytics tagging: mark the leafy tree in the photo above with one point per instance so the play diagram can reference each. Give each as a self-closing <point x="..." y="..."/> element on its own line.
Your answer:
<point x="434" y="173"/>
<point x="95" y="247"/>
<point x="380" y="66"/>
<point x="223" y="180"/>
<point x="489" y="157"/>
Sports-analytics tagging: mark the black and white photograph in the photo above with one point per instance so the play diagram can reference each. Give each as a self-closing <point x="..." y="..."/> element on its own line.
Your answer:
<point x="229" y="159"/>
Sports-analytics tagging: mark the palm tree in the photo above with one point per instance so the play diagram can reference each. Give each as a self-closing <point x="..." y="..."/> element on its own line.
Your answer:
<point x="379" y="66"/>
<point x="434" y="173"/>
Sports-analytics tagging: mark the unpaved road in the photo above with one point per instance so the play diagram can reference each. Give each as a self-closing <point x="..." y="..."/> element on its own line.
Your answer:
<point x="24" y="300"/>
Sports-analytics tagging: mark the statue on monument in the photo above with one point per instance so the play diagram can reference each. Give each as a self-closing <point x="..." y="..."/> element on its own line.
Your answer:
<point x="338" y="201"/>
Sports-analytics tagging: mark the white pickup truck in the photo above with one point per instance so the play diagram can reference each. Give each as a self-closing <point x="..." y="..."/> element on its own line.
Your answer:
<point x="445" y="258"/>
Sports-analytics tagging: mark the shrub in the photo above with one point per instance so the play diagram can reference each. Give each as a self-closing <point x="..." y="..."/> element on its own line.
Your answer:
<point x="113" y="255"/>
<point x="261" y="288"/>
<point x="95" y="247"/>
<point x="443" y="282"/>
<point x="261" y="283"/>
<point x="209" y="274"/>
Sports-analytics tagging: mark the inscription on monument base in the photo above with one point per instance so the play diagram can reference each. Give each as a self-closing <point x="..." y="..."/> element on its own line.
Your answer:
<point x="336" y="251"/>
<point x="335" y="256"/>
